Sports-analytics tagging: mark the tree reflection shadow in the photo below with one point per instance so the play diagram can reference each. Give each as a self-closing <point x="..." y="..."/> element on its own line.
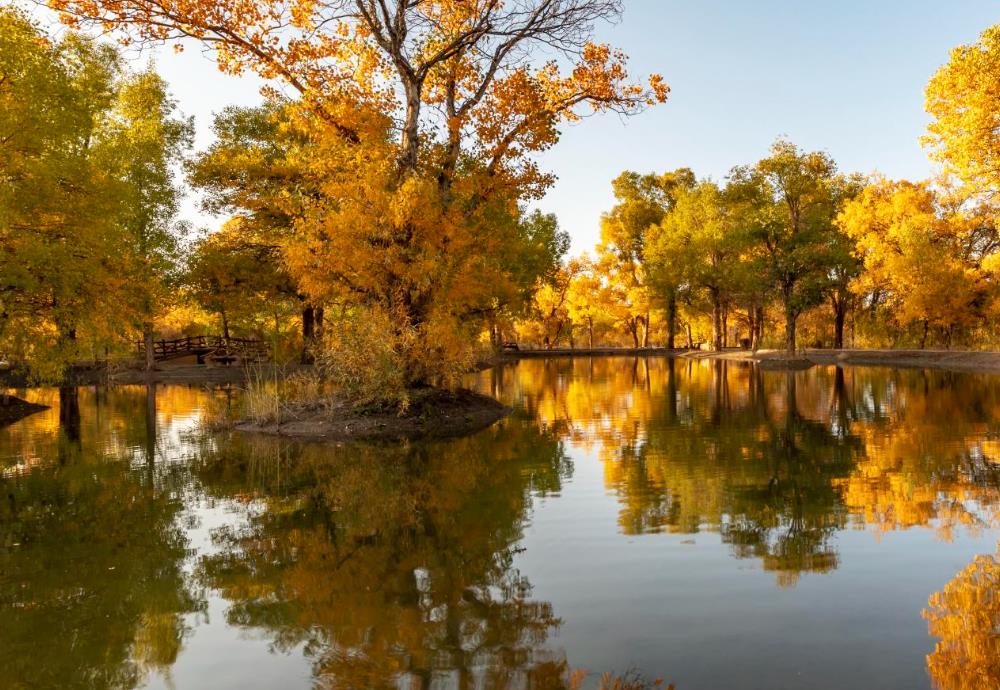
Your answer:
<point x="965" y="615"/>
<point x="777" y="462"/>
<point x="92" y="589"/>
<point x="391" y="566"/>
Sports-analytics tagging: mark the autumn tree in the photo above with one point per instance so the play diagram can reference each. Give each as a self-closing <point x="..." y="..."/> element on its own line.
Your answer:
<point x="698" y="245"/>
<point x="255" y="171"/>
<point x="425" y="117"/>
<point x="641" y="203"/>
<point x="536" y="264"/>
<point x="587" y="301"/>
<point x="230" y="274"/>
<point x="961" y="99"/>
<point x="924" y="252"/>
<point x="843" y="263"/>
<point x="87" y="195"/>
<point x="550" y="307"/>
<point x="792" y="205"/>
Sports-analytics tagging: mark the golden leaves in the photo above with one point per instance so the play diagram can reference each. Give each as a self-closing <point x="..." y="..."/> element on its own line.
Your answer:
<point x="962" y="97"/>
<point x="965" y="615"/>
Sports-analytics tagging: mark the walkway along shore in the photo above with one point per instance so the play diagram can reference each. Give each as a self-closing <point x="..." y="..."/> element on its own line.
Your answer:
<point x="949" y="360"/>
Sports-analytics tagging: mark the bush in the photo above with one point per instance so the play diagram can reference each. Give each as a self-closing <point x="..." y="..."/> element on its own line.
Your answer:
<point x="362" y="356"/>
<point x="375" y="360"/>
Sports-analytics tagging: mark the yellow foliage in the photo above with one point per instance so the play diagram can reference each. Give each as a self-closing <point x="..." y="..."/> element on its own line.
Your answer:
<point x="962" y="99"/>
<point x="421" y="122"/>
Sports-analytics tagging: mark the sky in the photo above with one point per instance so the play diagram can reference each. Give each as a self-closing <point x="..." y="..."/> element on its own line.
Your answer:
<point x="844" y="76"/>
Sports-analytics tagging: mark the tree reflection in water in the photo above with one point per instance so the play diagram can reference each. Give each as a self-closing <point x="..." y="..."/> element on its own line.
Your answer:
<point x="395" y="566"/>
<point x="391" y="565"/>
<point x="965" y="615"/>
<point x="777" y="462"/>
<point x="92" y="593"/>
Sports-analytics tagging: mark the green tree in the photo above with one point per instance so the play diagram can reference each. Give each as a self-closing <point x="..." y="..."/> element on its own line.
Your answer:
<point x="641" y="203"/>
<point x="792" y="204"/>
<point x="86" y="195"/>
<point x="698" y="245"/>
<point x="146" y="141"/>
<point x="232" y="275"/>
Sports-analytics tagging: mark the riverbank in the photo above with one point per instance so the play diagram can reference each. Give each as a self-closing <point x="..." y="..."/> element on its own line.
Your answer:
<point x="195" y="374"/>
<point x="509" y="355"/>
<point x="432" y="413"/>
<point x="181" y="373"/>
<point x="947" y="360"/>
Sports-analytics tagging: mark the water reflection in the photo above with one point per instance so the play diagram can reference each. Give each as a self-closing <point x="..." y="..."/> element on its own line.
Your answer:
<point x="390" y="566"/>
<point x="92" y="591"/>
<point x="965" y="615"/>
<point x="409" y="566"/>
<point x="777" y="462"/>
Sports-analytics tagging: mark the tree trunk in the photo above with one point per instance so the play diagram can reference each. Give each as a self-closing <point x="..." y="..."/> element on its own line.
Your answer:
<point x="671" y="319"/>
<point x="923" y="338"/>
<point x="690" y="340"/>
<point x="759" y="319"/>
<point x="147" y="344"/>
<point x="790" y="317"/>
<point x="716" y="320"/>
<point x="410" y="143"/>
<point x="633" y="328"/>
<point x="645" y="332"/>
<point x="590" y="332"/>
<point x="839" y="316"/>
<point x="225" y="325"/>
<point x="308" y="334"/>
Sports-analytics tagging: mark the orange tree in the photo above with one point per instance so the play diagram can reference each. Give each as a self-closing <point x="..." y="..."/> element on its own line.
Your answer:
<point x="423" y="118"/>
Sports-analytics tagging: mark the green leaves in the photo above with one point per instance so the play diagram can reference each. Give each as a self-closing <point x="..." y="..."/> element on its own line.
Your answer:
<point x="87" y="195"/>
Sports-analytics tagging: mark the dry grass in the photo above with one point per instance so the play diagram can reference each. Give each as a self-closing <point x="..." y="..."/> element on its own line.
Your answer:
<point x="271" y="397"/>
<point x="630" y="680"/>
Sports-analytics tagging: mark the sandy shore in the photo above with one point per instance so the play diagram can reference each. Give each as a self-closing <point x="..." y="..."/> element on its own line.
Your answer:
<point x="949" y="360"/>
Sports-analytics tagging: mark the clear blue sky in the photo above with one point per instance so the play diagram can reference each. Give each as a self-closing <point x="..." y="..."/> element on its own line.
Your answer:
<point x="846" y="76"/>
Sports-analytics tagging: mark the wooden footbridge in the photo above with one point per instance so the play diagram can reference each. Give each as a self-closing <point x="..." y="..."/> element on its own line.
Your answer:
<point x="215" y="348"/>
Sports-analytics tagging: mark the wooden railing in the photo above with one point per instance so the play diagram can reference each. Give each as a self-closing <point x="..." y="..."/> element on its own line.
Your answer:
<point x="213" y="346"/>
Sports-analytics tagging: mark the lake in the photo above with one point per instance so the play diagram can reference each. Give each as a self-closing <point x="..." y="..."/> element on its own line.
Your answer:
<point x="707" y="523"/>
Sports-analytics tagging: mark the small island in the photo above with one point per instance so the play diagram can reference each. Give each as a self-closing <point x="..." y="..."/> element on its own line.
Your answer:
<point x="430" y="413"/>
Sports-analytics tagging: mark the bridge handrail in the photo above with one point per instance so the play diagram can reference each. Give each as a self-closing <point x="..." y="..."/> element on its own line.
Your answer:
<point x="192" y="343"/>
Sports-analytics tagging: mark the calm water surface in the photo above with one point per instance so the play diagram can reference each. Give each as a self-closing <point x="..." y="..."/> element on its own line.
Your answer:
<point x="711" y="524"/>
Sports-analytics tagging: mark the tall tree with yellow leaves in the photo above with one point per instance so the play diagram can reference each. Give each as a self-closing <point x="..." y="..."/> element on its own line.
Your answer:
<point x="641" y="203"/>
<point x="926" y="253"/>
<point x="425" y="117"/>
<point x="962" y="99"/>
